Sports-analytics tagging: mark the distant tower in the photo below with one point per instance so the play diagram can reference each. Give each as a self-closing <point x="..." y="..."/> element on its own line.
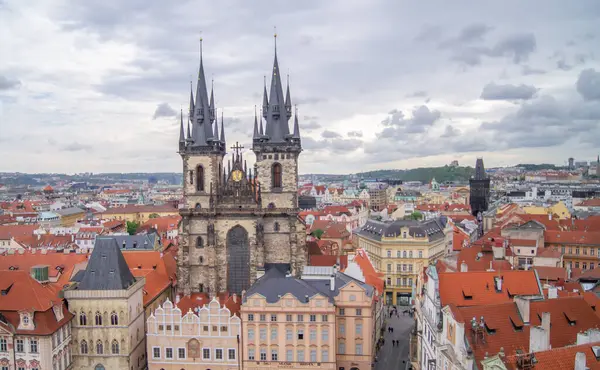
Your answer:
<point x="571" y="163"/>
<point x="479" y="193"/>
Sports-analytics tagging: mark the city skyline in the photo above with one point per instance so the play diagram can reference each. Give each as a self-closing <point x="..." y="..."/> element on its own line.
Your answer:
<point x="513" y="83"/>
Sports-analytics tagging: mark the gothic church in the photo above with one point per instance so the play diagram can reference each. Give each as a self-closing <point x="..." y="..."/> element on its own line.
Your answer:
<point x="236" y="219"/>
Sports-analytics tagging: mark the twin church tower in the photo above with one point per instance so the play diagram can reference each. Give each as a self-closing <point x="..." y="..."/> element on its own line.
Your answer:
<point x="237" y="219"/>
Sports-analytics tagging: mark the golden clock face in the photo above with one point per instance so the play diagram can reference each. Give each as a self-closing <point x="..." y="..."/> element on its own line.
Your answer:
<point x="236" y="175"/>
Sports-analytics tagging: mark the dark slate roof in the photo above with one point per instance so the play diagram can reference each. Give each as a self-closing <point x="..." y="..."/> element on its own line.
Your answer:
<point x="275" y="283"/>
<point x="133" y="242"/>
<point x="107" y="268"/>
<point x="433" y="228"/>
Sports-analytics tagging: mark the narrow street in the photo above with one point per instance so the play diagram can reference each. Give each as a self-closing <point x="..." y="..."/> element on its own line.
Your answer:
<point x="396" y="357"/>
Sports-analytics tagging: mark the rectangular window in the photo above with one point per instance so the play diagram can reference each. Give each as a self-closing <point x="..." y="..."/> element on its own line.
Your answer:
<point x="410" y="268"/>
<point x="410" y="254"/>
<point x="389" y="267"/>
<point x="250" y="353"/>
<point x="324" y="318"/>
<point x="398" y="267"/>
<point x="273" y="334"/>
<point x="33" y="344"/>
<point x="300" y="334"/>
<point x="577" y="250"/>
<point x="576" y="265"/>
<point x="584" y="265"/>
<point x="168" y="352"/>
<point x="591" y="265"/>
<point x="3" y="346"/>
<point x="263" y="333"/>
<point x="288" y="318"/>
<point x="263" y="317"/>
<point x="250" y="334"/>
<point x="289" y="355"/>
<point x="300" y="355"/>
<point x="313" y="318"/>
<point x="288" y="334"/>
<point x="313" y="355"/>
<point x="389" y="254"/>
<point x="300" y="318"/>
<point x="358" y="329"/>
<point x="181" y="353"/>
<point x="313" y="334"/>
<point x="250" y="317"/>
<point x="410" y="281"/>
<point x="342" y="329"/>
<point x="359" y="349"/>
<point x="359" y="312"/>
<point x="20" y="345"/>
<point x="218" y="354"/>
<point x="206" y="353"/>
<point x="263" y="355"/>
<point x="341" y="348"/>
<point x="592" y="251"/>
<point x="231" y="354"/>
<point x="325" y="335"/>
<point x="155" y="352"/>
<point x="398" y="254"/>
<point x="420" y="254"/>
<point x="324" y="355"/>
<point x="404" y="281"/>
<point x="585" y="251"/>
<point x="562" y="250"/>
<point x="398" y="281"/>
<point x="342" y="312"/>
<point x="274" y="355"/>
<point x="273" y="317"/>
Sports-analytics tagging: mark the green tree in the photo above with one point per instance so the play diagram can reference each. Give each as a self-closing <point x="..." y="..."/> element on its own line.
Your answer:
<point x="317" y="233"/>
<point x="154" y="215"/>
<point x="132" y="227"/>
<point x="416" y="215"/>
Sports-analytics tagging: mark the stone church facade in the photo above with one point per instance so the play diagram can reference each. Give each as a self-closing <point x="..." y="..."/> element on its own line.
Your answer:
<point x="236" y="219"/>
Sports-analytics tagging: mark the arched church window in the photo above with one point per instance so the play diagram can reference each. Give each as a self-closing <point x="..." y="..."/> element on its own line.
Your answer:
<point x="191" y="177"/>
<point x="199" y="242"/>
<point x="99" y="348"/>
<point x="200" y="178"/>
<point x="84" y="347"/>
<point x="197" y="206"/>
<point x="276" y="175"/>
<point x="82" y="319"/>
<point x="98" y="318"/>
<point x="201" y="259"/>
<point x="271" y="205"/>
<point x="115" y="347"/>
<point x="276" y="226"/>
<point x="114" y="318"/>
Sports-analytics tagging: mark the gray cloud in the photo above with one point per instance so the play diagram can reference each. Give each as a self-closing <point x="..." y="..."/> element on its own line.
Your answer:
<point x="76" y="147"/>
<point x="472" y="33"/>
<point x="164" y="110"/>
<point x="451" y="131"/>
<point x="562" y="64"/>
<point x="398" y="126"/>
<point x="417" y="94"/>
<point x="327" y="134"/>
<point x="527" y="71"/>
<point x="310" y="125"/>
<point x="7" y="83"/>
<point x="493" y="91"/>
<point x="588" y="84"/>
<point x="355" y="134"/>
<point x="517" y="47"/>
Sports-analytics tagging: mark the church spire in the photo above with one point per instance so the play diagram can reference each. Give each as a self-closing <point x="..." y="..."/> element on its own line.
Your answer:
<point x="277" y="128"/>
<point x="288" y="100"/>
<point x="181" y="132"/>
<point x="216" y="133"/>
<point x="265" y="107"/>
<point x="212" y="101"/>
<point x="201" y="128"/>
<point x="480" y="170"/>
<point x="260" y="129"/>
<point x="296" y="134"/>
<point x="191" y="113"/>
<point x="255" y="135"/>
<point x="222" y="130"/>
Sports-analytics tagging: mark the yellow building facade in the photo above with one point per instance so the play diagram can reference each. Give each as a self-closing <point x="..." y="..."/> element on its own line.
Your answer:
<point x="559" y="209"/>
<point x="400" y="249"/>
<point x="139" y="214"/>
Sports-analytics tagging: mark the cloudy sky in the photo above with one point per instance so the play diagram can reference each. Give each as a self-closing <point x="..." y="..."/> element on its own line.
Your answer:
<point x="96" y="85"/>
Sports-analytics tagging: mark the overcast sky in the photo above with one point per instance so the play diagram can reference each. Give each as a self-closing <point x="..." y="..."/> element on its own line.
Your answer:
<point x="97" y="85"/>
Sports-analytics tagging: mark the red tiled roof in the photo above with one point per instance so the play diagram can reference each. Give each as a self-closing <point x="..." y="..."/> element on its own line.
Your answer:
<point x="547" y="273"/>
<point x="560" y="358"/>
<point x="479" y="260"/>
<point x="594" y="202"/>
<point x="8" y="231"/>
<point x="331" y="229"/>
<point x="313" y="248"/>
<point x="162" y="224"/>
<point x="372" y="277"/>
<point x="523" y="242"/>
<point x="231" y="302"/>
<point x="158" y="268"/>
<point x="336" y="210"/>
<point x="46" y="241"/>
<point x="326" y="260"/>
<point x="138" y="209"/>
<point x="54" y="260"/>
<point x="549" y="252"/>
<point x="477" y="288"/>
<point x="459" y="239"/>
<point x="459" y="218"/>
<point x="113" y="224"/>
<point x="572" y="237"/>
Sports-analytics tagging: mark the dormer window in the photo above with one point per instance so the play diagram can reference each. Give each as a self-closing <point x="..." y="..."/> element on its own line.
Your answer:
<point x="26" y="320"/>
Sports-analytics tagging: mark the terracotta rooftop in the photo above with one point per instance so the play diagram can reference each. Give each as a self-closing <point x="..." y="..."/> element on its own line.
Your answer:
<point x="328" y="261"/>
<point x="479" y="260"/>
<point x="138" y="209"/>
<point x="560" y="358"/>
<point x="8" y="231"/>
<point x="162" y="224"/>
<point x="523" y="243"/>
<point x="547" y="273"/>
<point x="572" y="237"/>
<point x="61" y="266"/>
<point x="478" y="288"/>
<point x="159" y="269"/>
<point x="187" y="303"/>
<point x="372" y="277"/>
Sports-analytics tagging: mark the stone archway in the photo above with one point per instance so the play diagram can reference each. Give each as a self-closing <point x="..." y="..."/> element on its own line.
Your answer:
<point x="99" y="367"/>
<point x="238" y="260"/>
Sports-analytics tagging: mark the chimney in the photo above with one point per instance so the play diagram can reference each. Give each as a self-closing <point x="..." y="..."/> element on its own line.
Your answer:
<point x="72" y="237"/>
<point x="589" y="336"/>
<point x="234" y="297"/>
<point x="332" y="282"/>
<point x="549" y="216"/>
<point x="491" y="268"/>
<point x="523" y="307"/>
<point x="498" y="283"/>
<point x="552" y="292"/>
<point x="464" y="267"/>
<point x="580" y="361"/>
<point x="499" y="252"/>
<point x="177" y="298"/>
<point x="539" y="336"/>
